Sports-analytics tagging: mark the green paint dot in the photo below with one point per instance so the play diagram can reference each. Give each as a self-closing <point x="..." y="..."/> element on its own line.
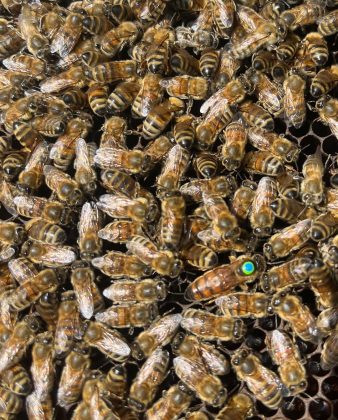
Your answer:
<point x="248" y="268"/>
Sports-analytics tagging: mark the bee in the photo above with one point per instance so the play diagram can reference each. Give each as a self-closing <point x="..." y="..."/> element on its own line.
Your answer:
<point x="160" y="116"/>
<point x="233" y="149"/>
<point x="317" y="48"/>
<point x="243" y="198"/>
<point x="302" y="15"/>
<point x="329" y="252"/>
<point x="174" y="402"/>
<point x="87" y="293"/>
<point x="120" y="183"/>
<point x="328" y="113"/>
<point x="10" y="43"/>
<point x="264" y="163"/>
<point x="222" y="279"/>
<point x="279" y="71"/>
<point x="212" y="327"/>
<point x="209" y="62"/>
<point x="123" y="96"/>
<point x="74" y="98"/>
<point x="118" y="264"/>
<point x="17" y="380"/>
<point x="186" y="87"/>
<point x="67" y="35"/>
<point x="220" y="186"/>
<point x="117" y="38"/>
<point x="131" y="161"/>
<point x="10" y="402"/>
<point x="323" y="227"/>
<point x="39" y="409"/>
<point x="12" y="164"/>
<point x="24" y="63"/>
<point x="62" y="185"/>
<point x="324" y="81"/>
<point x="47" y="307"/>
<point x="35" y="207"/>
<point x="312" y="187"/>
<point x="294" y="100"/>
<point x="172" y="221"/>
<point x="289" y="210"/>
<point x="190" y="347"/>
<point x="97" y="95"/>
<point x="261" y="216"/>
<point x="291" y="309"/>
<point x="21" y="337"/>
<point x="158" y="334"/>
<point x="323" y="284"/>
<point x="120" y="231"/>
<point x="223" y="221"/>
<point x="218" y="117"/>
<point x="19" y="110"/>
<point x="43" y="231"/>
<point x="157" y="55"/>
<point x="90" y="222"/>
<point x="49" y="255"/>
<point x="108" y="341"/>
<point x="22" y="269"/>
<point x="69" y="326"/>
<point x="261" y="381"/>
<point x="217" y="243"/>
<point x="288" y="186"/>
<point x="269" y="93"/>
<point x="206" y="164"/>
<point x="329" y="356"/>
<point x="199" y="256"/>
<point x="147" y="290"/>
<point x="242" y="305"/>
<point x="116" y="381"/>
<point x="287" y="49"/>
<point x="149" y="95"/>
<point x="31" y="289"/>
<point x="227" y="69"/>
<point x="327" y="24"/>
<point x="327" y="320"/>
<point x="112" y="71"/>
<point x="256" y="116"/>
<point x="73" y="375"/>
<point x="42" y="368"/>
<point x="184" y="131"/>
<point x="239" y="406"/>
<point x="11" y="233"/>
<point x="49" y="125"/>
<point x="85" y="174"/>
<point x="173" y="169"/>
<point x="148" y="379"/>
<point x="181" y="62"/>
<point x="292" y="273"/>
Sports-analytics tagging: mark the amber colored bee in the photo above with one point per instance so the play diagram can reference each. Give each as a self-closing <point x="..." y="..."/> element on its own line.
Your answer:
<point x="22" y="335"/>
<point x="327" y="24"/>
<point x="150" y="376"/>
<point x="17" y="380"/>
<point x="190" y="347"/>
<point x="312" y="187"/>
<point x="261" y="216"/>
<point x="317" y="48"/>
<point x="43" y="231"/>
<point x="49" y="255"/>
<point x="62" y="185"/>
<point x="227" y="69"/>
<point x="291" y="309"/>
<point x="89" y="224"/>
<point x="302" y="15"/>
<point x="117" y="38"/>
<point x="122" y="96"/>
<point x="242" y="305"/>
<point x="131" y="161"/>
<point x="10" y="402"/>
<point x="108" y="341"/>
<point x="85" y="174"/>
<point x="286" y="356"/>
<point x="323" y="283"/>
<point x="112" y="71"/>
<point x="69" y="326"/>
<point x="261" y="381"/>
<point x="181" y="62"/>
<point x="11" y="233"/>
<point x="26" y="135"/>
<point x="120" y="183"/>
<point x="199" y="256"/>
<point x="294" y="100"/>
<point x="239" y="406"/>
<point x="120" y="231"/>
<point x="97" y="98"/>
<point x="256" y="116"/>
<point x="329" y="355"/>
<point x="208" y="63"/>
<point x="328" y="113"/>
<point x="184" y="131"/>
<point x="324" y="81"/>
<point x="87" y="293"/>
<point x="160" y="116"/>
<point x="74" y="98"/>
<point x="233" y="149"/>
<point x="264" y="163"/>
<point x="147" y="290"/>
<point x="289" y="210"/>
<point x="206" y="164"/>
<point x="212" y="327"/>
<point x="73" y="375"/>
<point x="21" y="269"/>
<point x="222" y="279"/>
<point x="172" y="221"/>
<point x="158" y="53"/>
<point x="12" y="164"/>
<point x="329" y="252"/>
<point x="243" y="198"/>
<point x="220" y="186"/>
<point x="42" y="368"/>
<point x="149" y="95"/>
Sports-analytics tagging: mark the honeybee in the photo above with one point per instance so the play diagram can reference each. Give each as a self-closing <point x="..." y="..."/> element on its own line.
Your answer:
<point x="10" y="402"/>
<point x="268" y="92"/>
<point x="217" y="243"/>
<point x="158" y="334"/>
<point x="98" y="98"/>
<point x="123" y="96"/>
<point x="70" y="78"/>
<point x="199" y="256"/>
<point x="288" y="186"/>
<point x="209" y="62"/>
<point x="42" y="368"/>
<point x="108" y="341"/>
<point x="148" y="379"/>
<point x="49" y="255"/>
<point x="327" y="320"/>
<point x="181" y="62"/>
<point x="160" y="116"/>
<point x="96" y="23"/>
<point x="190" y="347"/>
<point x="184" y="131"/>
<point x="222" y="279"/>
<point x="27" y="64"/>
<point x="262" y="382"/>
<point x="85" y="174"/>
<point x="12" y="164"/>
<point x="286" y="356"/>
<point x="149" y="95"/>
<point x="329" y="252"/>
<point x="264" y="163"/>
<point x="62" y="185"/>
<point x="228" y="66"/>
<point x="242" y="305"/>
<point x="239" y="406"/>
<point x="287" y="49"/>
<point x="186" y="87"/>
<point x="256" y="116"/>
<point x="43" y="231"/>
<point x="327" y="24"/>
<point x="302" y="15"/>
<point x="120" y="183"/>
<point x="111" y="71"/>
<point x="329" y="356"/>
<point x="67" y="35"/>
<point x="73" y="375"/>
<point x="233" y="149"/>
<point x="279" y="71"/>
<point x="131" y="161"/>
<point x="69" y="326"/>
<point x="21" y="269"/>
<point x="294" y="100"/>
<point x="39" y="409"/>
<point x="323" y="284"/>
<point x="312" y="187"/>
<point x="147" y="290"/>
<point x="220" y="186"/>
<point x="223" y="221"/>
<point x="317" y="48"/>
<point x="87" y="293"/>
<point x="243" y="198"/>
<point x="17" y="380"/>
<point x="324" y="81"/>
<point x="292" y="273"/>
<point x="328" y="113"/>
<point x="172" y="221"/>
<point x="291" y="309"/>
<point x="11" y="233"/>
<point x="206" y="164"/>
<point x="164" y="262"/>
<point x="116" y="381"/>
<point x="90" y="222"/>
<point x="120" y="231"/>
<point x="21" y="337"/>
<point x="289" y="210"/>
<point x="322" y="227"/>
<point x="212" y="327"/>
<point x="117" y="38"/>
<point x="10" y="43"/>
<point x="261" y="216"/>
<point x="174" y="402"/>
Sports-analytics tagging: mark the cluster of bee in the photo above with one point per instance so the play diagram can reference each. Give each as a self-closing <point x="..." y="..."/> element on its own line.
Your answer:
<point x="144" y="167"/>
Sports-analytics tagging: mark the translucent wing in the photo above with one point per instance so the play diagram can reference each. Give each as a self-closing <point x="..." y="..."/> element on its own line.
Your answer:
<point x="7" y="196"/>
<point x="38" y="157"/>
<point x="90" y="219"/>
<point x="190" y="372"/>
<point x="111" y="342"/>
<point x="66" y="37"/>
<point x="249" y="19"/>
<point x="84" y="295"/>
<point x="58" y="255"/>
<point x="20" y="270"/>
<point x="156" y="358"/>
<point x="82" y="155"/>
<point x="165" y="327"/>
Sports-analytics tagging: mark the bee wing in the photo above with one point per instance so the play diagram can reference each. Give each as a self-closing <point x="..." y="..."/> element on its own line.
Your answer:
<point x="62" y="145"/>
<point x="258" y="138"/>
<point x="110" y="203"/>
<point x="54" y="176"/>
<point x="10" y="349"/>
<point x="7" y="316"/>
<point x="189" y="371"/>
<point x="57" y="83"/>
<point x="174" y="160"/>
<point x="265" y="190"/>
<point x="6" y="252"/>
<point x="19" y="270"/>
<point x="90" y="219"/>
<point x="73" y="323"/>
<point x="84" y="295"/>
<point x="214" y="103"/>
<point x="58" y="255"/>
<point x="38" y="157"/>
<point x="7" y="196"/>
<point x="112" y="342"/>
<point x="165" y="327"/>
<point x="82" y="159"/>
<point x="225" y="12"/>
<point x="249" y="19"/>
<point x="156" y="358"/>
<point x="215" y="363"/>
<point x="108" y="157"/>
<point x="66" y="38"/>
<point x="144" y="251"/>
<point x="34" y="407"/>
<point x="191" y="323"/>
<point x="42" y="373"/>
